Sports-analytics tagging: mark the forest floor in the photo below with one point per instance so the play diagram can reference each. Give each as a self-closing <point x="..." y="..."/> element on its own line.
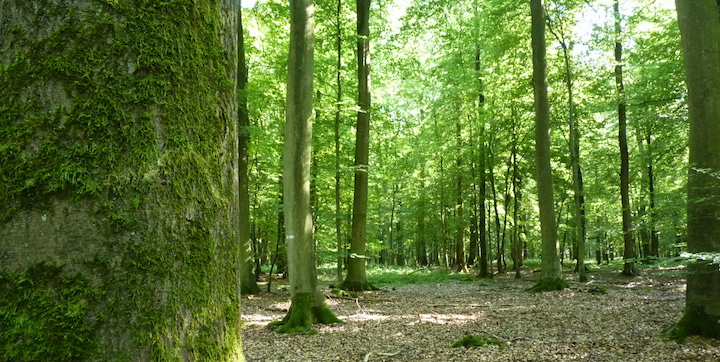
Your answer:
<point x="419" y="321"/>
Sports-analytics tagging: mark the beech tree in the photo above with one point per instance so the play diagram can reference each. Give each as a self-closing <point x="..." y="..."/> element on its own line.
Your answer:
<point x="308" y="303"/>
<point x="119" y="186"/>
<point x="700" y="31"/>
<point x="356" y="278"/>
<point x="551" y="270"/>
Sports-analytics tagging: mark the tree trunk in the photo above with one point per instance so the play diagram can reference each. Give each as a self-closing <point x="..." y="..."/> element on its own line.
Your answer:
<point x="356" y="278"/>
<point x="120" y="189"/>
<point x="700" y="31"/>
<point x="516" y="249"/>
<point x="482" y="220"/>
<point x="574" y="146"/>
<point x="248" y="279"/>
<point x="460" y="263"/>
<point x="308" y="303"/>
<point x="629" y="268"/>
<point x="551" y="270"/>
<point x="338" y="108"/>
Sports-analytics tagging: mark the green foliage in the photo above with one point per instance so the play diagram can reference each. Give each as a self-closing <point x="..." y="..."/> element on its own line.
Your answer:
<point x="46" y="314"/>
<point x="470" y="340"/>
<point x="395" y="276"/>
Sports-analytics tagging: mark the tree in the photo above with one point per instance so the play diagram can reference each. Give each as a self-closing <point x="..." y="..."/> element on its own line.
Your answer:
<point x="574" y="146"/>
<point x="700" y="33"/>
<point x="356" y="278"/>
<point x="551" y="269"/>
<point x="629" y="268"/>
<point x="308" y="303"/>
<point x="248" y="279"/>
<point x="119" y="181"/>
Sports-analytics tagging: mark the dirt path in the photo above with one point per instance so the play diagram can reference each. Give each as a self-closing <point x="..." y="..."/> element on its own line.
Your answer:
<point x="419" y="322"/>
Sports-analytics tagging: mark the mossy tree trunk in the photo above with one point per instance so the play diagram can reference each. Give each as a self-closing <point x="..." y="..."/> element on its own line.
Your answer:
<point x="308" y="303"/>
<point x="356" y="278"/>
<point x="119" y="150"/>
<point x="551" y="270"/>
<point x="700" y="31"/>
<point x="248" y="279"/>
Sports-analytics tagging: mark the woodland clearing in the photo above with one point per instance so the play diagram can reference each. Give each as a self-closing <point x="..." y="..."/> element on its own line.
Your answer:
<point x="420" y="321"/>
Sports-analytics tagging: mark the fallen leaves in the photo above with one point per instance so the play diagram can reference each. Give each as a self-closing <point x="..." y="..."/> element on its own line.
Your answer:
<point x="419" y="322"/>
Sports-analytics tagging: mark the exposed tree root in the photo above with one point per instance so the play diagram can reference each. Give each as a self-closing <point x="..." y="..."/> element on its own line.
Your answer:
<point x="358" y="286"/>
<point x="694" y="322"/>
<point x="302" y="315"/>
<point x="548" y="285"/>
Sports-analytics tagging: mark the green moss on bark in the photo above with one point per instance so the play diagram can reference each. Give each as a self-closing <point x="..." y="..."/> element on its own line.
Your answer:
<point x="47" y="315"/>
<point x="303" y="313"/>
<point x="125" y="106"/>
<point x="695" y="321"/>
<point x="357" y="286"/>
<point x="548" y="285"/>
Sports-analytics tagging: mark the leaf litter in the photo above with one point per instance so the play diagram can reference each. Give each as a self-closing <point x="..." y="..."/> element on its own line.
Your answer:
<point x="420" y="322"/>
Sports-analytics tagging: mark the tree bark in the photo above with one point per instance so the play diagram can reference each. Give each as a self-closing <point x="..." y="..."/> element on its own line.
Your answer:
<point x="120" y="187"/>
<point x="460" y="263"/>
<point x="356" y="279"/>
<point x="629" y="254"/>
<point x="248" y="279"/>
<point x="338" y="107"/>
<point x="574" y="146"/>
<point x="700" y="32"/>
<point x="551" y="269"/>
<point x="482" y="219"/>
<point x="308" y="303"/>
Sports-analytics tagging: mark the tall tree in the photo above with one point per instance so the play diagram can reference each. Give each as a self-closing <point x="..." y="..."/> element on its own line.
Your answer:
<point x="119" y="223"/>
<point x="356" y="278"/>
<point x="551" y="269"/>
<point x="460" y="262"/>
<point x="574" y="146"/>
<point x="308" y="303"/>
<point x="338" y="108"/>
<point x="629" y="268"/>
<point x="700" y="31"/>
<point x="248" y="279"/>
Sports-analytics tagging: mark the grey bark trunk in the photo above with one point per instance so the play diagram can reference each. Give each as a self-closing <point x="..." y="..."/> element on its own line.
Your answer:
<point x="550" y="264"/>
<point x="700" y="31"/>
<point x="356" y="278"/>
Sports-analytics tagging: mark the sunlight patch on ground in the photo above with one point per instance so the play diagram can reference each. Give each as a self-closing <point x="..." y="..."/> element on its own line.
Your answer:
<point x="445" y="319"/>
<point x="361" y="317"/>
<point x="258" y="319"/>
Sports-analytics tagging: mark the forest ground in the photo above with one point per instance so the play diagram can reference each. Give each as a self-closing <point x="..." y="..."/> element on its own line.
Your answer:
<point x="416" y="320"/>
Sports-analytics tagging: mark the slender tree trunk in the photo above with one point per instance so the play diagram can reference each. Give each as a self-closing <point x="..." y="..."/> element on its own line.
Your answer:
<point x="654" y="233"/>
<point x="338" y="108"/>
<point x="460" y="262"/>
<point x="629" y="255"/>
<point x="356" y="278"/>
<point x="700" y="32"/>
<point x="308" y="303"/>
<point x="248" y="279"/>
<point x="136" y="257"/>
<point x="516" y="249"/>
<point x="482" y="220"/>
<point x="500" y="250"/>
<point x="574" y="145"/>
<point x="551" y="270"/>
